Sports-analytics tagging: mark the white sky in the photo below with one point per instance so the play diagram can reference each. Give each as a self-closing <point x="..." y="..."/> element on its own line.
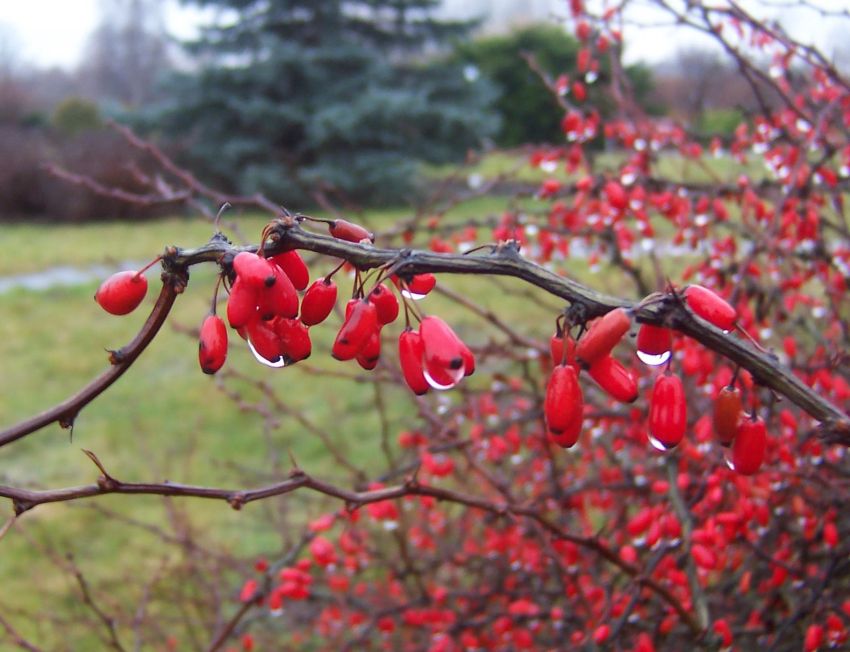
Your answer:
<point x="54" y="32"/>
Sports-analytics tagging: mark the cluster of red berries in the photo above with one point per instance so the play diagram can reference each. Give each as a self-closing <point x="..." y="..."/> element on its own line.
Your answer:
<point x="667" y="423"/>
<point x="264" y="308"/>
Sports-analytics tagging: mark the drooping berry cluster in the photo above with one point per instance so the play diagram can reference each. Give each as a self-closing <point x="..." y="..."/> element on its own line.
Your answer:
<point x="667" y="421"/>
<point x="264" y="308"/>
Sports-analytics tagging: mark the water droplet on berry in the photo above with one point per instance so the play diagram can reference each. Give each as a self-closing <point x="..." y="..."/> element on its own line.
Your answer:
<point x="452" y="374"/>
<point x="657" y="445"/>
<point x="654" y="360"/>
<point x="412" y="295"/>
<point x="280" y="362"/>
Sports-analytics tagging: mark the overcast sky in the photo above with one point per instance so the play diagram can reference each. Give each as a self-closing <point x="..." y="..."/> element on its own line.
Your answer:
<point x="54" y="32"/>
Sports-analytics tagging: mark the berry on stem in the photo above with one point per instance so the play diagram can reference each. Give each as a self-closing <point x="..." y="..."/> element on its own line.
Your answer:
<point x="212" y="344"/>
<point x="668" y="412"/>
<point x="122" y="292"/>
<point x="711" y="307"/>
<point x="318" y="301"/>
<point x="603" y="335"/>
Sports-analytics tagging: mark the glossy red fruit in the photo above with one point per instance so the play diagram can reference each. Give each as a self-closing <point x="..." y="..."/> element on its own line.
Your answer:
<point x="603" y="335"/>
<point x="728" y="409"/>
<point x="212" y="344"/>
<point x="814" y="638"/>
<point x="418" y="286"/>
<point x="264" y="339"/>
<point x="278" y="299"/>
<point x="241" y="304"/>
<point x="385" y="303"/>
<point x="294" y="267"/>
<point x="122" y="293"/>
<point x="615" y="379"/>
<point x="749" y="447"/>
<point x="345" y="230"/>
<point x="254" y="270"/>
<point x="360" y="322"/>
<point x="668" y="412"/>
<point x="564" y="406"/>
<point x="293" y="339"/>
<point x="318" y="302"/>
<point x="371" y="351"/>
<point x="711" y="307"/>
<point x="444" y="353"/>
<point x="654" y="340"/>
<point x="410" y="354"/>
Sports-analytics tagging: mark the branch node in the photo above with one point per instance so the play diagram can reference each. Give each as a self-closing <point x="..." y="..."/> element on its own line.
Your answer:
<point x="236" y="501"/>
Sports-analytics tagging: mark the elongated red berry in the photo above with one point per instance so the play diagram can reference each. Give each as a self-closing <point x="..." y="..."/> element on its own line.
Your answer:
<point x="318" y="301"/>
<point x="654" y="340"/>
<point x="749" y="447"/>
<point x="360" y="322"/>
<point x="410" y="354"/>
<point x="278" y="299"/>
<point x="385" y="303"/>
<point x="264" y="339"/>
<point x="711" y="307"/>
<point x="212" y="344"/>
<point x="603" y="335"/>
<point x="241" y="304"/>
<point x="444" y="352"/>
<point x="345" y="230"/>
<point x="368" y="356"/>
<point x="728" y="409"/>
<point x="293" y="339"/>
<point x="253" y="269"/>
<point x="615" y="379"/>
<point x="564" y="406"/>
<point x="668" y="412"/>
<point x="122" y="292"/>
<point x="294" y="267"/>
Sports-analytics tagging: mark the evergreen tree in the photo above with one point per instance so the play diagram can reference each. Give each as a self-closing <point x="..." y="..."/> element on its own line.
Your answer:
<point x="295" y="95"/>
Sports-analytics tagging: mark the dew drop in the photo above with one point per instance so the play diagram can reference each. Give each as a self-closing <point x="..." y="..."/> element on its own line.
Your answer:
<point x="412" y="295"/>
<point x="657" y="445"/>
<point x="591" y="76"/>
<point x="548" y="165"/>
<point x="729" y="461"/>
<point x="654" y="360"/>
<point x="280" y="362"/>
<point x="453" y="374"/>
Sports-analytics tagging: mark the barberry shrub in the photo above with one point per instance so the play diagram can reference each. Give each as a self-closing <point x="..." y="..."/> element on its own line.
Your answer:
<point x="628" y="431"/>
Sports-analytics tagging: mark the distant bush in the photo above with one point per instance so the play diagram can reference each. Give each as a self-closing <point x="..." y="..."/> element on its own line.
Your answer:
<point x="75" y="115"/>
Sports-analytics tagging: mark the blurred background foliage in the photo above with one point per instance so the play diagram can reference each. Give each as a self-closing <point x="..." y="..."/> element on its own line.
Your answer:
<point x="307" y="100"/>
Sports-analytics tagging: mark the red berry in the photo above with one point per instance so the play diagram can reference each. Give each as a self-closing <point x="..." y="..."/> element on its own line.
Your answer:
<point x="616" y="195"/>
<point x="711" y="307"/>
<point x="667" y="411"/>
<point x="749" y="446"/>
<point x="727" y="414"/>
<point x="254" y="270"/>
<point x="122" y="293"/>
<point x="318" y="302"/>
<point x="344" y="230"/>
<point x="615" y="379"/>
<point x="444" y="355"/>
<point x="814" y="638"/>
<point x="294" y="267"/>
<point x="212" y="346"/>
<point x="241" y="304"/>
<point x="293" y="339"/>
<point x="556" y="350"/>
<point x="603" y="335"/>
<point x="385" y="303"/>
<point x="264" y="339"/>
<point x="410" y="354"/>
<point x="654" y="340"/>
<point x="564" y="406"/>
<point x="418" y="286"/>
<point x="371" y="351"/>
<point x="360" y="322"/>
<point x="278" y="299"/>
